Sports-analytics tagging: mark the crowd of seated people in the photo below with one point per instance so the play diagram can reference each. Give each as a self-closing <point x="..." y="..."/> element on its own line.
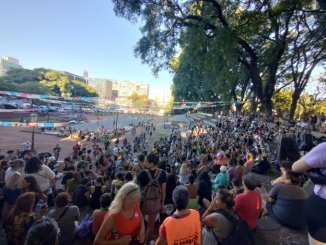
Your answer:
<point x="203" y="185"/>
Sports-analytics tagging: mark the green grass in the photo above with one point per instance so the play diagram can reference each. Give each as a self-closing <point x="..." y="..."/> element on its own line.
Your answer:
<point x="160" y="133"/>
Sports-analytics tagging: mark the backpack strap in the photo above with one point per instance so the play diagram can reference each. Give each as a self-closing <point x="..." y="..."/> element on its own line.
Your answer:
<point x="216" y="238"/>
<point x="62" y="214"/>
<point x="156" y="175"/>
<point x="149" y="175"/>
<point x="226" y="214"/>
<point x="229" y="216"/>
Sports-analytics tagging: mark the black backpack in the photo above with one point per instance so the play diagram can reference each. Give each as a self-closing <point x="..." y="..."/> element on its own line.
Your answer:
<point x="241" y="234"/>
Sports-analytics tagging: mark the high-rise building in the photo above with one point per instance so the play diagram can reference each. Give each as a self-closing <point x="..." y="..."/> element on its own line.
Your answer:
<point x="102" y="86"/>
<point x="117" y="90"/>
<point x="85" y="75"/>
<point x="127" y="88"/>
<point x="7" y="63"/>
<point x="72" y="76"/>
<point x="115" y="95"/>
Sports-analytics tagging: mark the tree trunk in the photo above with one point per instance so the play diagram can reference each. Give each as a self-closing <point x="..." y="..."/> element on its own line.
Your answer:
<point x="267" y="105"/>
<point x="238" y="106"/>
<point x="295" y="98"/>
<point x="227" y="108"/>
<point x="253" y="106"/>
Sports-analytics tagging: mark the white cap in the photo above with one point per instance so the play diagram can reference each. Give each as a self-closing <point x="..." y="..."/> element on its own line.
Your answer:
<point x="51" y="159"/>
<point x="223" y="169"/>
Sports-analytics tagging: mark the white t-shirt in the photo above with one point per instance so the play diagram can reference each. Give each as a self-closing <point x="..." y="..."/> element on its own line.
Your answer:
<point x="9" y="173"/>
<point x="43" y="177"/>
<point x="58" y="182"/>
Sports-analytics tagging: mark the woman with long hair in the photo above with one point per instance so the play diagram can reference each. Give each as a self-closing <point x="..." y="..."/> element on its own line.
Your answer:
<point x="184" y="173"/>
<point x="4" y="165"/>
<point x="20" y="219"/>
<point x="124" y="222"/>
<point x="29" y="184"/>
<point x="204" y="188"/>
<point x="43" y="175"/>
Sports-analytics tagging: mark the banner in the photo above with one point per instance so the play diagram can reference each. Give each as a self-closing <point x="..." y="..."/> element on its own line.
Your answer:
<point x="198" y="105"/>
<point x="38" y="125"/>
<point x="18" y="110"/>
<point x="38" y="96"/>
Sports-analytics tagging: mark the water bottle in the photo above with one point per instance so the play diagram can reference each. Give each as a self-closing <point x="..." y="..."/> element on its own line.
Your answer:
<point x="39" y="205"/>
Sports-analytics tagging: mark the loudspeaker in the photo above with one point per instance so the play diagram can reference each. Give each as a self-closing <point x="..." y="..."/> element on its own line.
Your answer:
<point x="287" y="150"/>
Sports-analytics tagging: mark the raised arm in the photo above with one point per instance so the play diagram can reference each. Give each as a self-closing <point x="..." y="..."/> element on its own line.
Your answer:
<point x="300" y="166"/>
<point x="105" y="230"/>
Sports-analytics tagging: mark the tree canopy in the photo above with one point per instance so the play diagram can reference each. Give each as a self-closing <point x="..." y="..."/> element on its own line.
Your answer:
<point x="224" y="44"/>
<point x="140" y="102"/>
<point x="44" y="81"/>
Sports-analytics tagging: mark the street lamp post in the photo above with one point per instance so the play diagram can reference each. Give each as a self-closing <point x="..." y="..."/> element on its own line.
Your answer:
<point x="33" y="120"/>
<point x="116" y="123"/>
<point x="164" y="120"/>
<point x="73" y="103"/>
<point x="48" y="112"/>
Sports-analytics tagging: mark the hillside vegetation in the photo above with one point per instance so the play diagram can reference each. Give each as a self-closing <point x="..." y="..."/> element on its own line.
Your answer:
<point x="44" y="81"/>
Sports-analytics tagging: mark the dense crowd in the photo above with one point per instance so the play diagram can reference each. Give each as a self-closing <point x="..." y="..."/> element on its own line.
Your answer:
<point x="198" y="187"/>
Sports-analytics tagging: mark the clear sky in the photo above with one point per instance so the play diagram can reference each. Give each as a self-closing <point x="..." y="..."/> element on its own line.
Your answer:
<point x="74" y="35"/>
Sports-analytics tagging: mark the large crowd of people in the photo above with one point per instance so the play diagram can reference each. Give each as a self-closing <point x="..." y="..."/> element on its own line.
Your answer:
<point x="200" y="187"/>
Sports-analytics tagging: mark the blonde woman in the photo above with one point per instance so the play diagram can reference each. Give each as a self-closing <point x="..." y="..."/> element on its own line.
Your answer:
<point x="124" y="222"/>
<point x="184" y="173"/>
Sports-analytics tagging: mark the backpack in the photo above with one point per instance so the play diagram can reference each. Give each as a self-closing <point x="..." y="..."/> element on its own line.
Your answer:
<point x="151" y="194"/>
<point x="241" y="234"/>
<point x="84" y="229"/>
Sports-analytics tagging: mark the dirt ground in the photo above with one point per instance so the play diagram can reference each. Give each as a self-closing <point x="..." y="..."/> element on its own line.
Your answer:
<point x="12" y="139"/>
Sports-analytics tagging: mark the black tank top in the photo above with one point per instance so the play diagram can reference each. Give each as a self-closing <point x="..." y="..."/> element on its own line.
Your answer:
<point x="95" y="199"/>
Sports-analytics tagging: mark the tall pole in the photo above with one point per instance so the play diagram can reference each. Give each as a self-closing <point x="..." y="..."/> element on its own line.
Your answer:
<point x="164" y="120"/>
<point x="48" y="112"/>
<point x="33" y="120"/>
<point x="33" y="138"/>
<point x="116" y="123"/>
